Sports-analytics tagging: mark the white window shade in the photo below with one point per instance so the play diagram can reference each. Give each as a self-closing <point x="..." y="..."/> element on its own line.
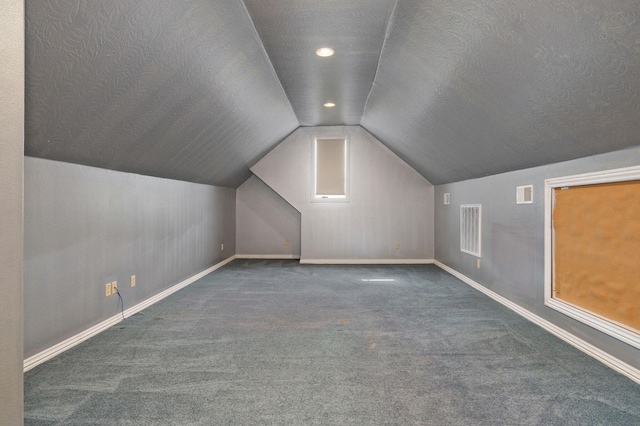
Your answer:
<point x="331" y="168"/>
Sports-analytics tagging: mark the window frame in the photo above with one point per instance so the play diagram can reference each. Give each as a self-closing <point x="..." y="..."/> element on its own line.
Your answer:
<point x="607" y="326"/>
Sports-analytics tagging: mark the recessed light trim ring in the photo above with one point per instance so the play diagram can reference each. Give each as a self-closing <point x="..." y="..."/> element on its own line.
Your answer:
<point x="325" y="52"/>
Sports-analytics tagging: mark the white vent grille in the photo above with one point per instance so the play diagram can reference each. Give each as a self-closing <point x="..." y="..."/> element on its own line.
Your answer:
<point x="447" y="198"/>
<point x="524" y="194"/>
<point x="470" y="222"/>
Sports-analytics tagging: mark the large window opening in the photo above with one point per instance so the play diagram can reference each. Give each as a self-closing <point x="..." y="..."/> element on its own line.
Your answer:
<point x="331" y="171"/>
<point x="592" y="238"/>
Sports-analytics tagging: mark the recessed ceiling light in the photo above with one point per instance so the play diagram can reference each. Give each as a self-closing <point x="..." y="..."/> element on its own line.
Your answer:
<point x="325" y="51"/>
<point x="329" y="105"/>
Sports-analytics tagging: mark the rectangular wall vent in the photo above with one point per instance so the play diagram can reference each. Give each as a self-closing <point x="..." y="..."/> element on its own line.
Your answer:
<point x="524" y="194"/>
<point x="447" y="198"/>
<point x="470" y="228"/>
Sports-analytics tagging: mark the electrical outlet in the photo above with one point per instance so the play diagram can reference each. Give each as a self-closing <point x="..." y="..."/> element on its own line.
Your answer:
<point x="107" y="290"/>
<point x="133" y="280"/>
<point x="397" y="245"/>
<point x="286" y="242"/>
<point x="114" y="287"/>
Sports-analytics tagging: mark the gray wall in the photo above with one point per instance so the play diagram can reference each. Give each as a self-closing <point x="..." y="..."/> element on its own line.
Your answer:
<point x="11" y="238"/>
<point x="389" y="201"/>
<point x="512" y="263"/>
<point x="264" y="220"/>
<point x="85" y="227"/>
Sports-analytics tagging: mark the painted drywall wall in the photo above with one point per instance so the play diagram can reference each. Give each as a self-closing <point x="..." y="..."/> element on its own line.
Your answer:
<point x="512" y="262"/>
<point x="265" y="223"/>
<point x="11" y="237"/>
<point x="389" y="202"/>
<point x="85" y="227"/>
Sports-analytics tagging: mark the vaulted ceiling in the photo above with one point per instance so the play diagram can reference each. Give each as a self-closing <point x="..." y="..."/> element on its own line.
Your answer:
<point x="200" y="90"/>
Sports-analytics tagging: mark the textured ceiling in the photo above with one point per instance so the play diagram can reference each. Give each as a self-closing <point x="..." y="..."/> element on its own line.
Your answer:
<point x="200" y="90"/>
<point x="177" y="89"/>
<point x="468" y="88"/>
<point x="292" y="30"/>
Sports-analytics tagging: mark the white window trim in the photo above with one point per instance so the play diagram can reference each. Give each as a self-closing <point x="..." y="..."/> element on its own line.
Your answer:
<point x="605" y="325"/>
<point x="479" y="252"/>
<point x="331" y="198"/>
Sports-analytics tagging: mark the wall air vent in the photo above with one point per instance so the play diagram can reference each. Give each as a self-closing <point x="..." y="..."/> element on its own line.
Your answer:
<point x="470" y="232"/>
<point x="524" y="194"/>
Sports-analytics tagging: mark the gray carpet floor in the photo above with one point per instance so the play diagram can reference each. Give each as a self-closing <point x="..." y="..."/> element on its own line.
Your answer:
<point x="275" y="342"/>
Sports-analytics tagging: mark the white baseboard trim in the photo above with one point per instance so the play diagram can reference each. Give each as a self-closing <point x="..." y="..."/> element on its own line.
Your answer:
<point x="57" y="349"/>
<point x="367" y="261"/>
<point x="602" y="356"/>
<point x="267" y="256"/>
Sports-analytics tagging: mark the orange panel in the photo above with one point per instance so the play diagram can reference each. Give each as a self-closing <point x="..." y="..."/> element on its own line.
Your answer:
<point x="597" y="249"/>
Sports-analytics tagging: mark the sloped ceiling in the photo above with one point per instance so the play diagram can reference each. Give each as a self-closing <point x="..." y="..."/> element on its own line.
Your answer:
<point x="200" y="90"/>
<point x="292" y="30"/>
<point x="175" y="89"/>
<point x="474" y="88"/>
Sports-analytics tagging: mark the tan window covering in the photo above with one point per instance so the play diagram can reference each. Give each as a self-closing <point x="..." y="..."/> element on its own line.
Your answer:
<point x="597" y="249"/>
